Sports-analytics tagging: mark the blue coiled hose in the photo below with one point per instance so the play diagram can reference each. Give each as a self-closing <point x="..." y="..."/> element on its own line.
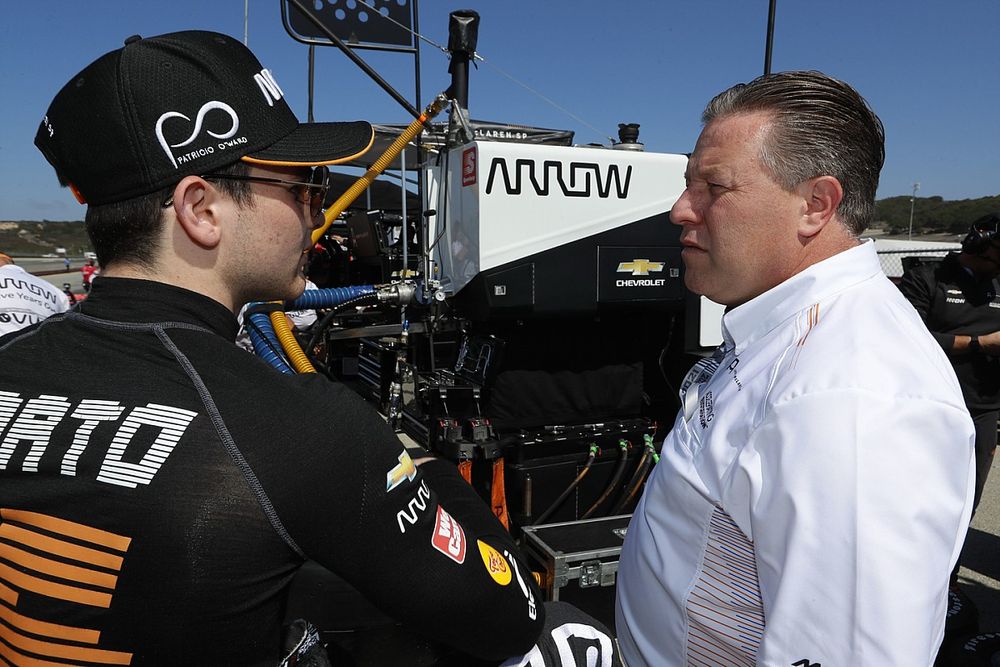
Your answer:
<point x="328" y="297"/>
<point x="262" y="336"/>
<point x="265" y="341"/>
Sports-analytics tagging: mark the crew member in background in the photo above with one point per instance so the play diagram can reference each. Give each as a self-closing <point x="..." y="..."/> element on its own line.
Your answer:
<point x="25" y="298"/>
<point x="959" y="301"/>
<point x="89" y="271"/>
<point x="165" y="507"/>
<point x="816" y="486"/>
<point x="299" y="321"/>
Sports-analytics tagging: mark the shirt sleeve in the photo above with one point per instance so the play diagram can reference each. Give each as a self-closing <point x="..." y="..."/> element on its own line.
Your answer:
<point x="860" y="504"/>
<point x="418" y="542"/>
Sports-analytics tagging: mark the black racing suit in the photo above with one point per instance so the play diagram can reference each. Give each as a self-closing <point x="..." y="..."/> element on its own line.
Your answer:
<point x="159" y="488"/>
<point x="953" y="302"/>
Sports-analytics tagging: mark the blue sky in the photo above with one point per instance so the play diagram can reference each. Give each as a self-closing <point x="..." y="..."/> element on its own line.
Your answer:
<point x="931" y="70"/>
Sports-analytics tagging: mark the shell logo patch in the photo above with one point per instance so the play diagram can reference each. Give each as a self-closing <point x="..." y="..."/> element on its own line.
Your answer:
<point x="495" y="563"/>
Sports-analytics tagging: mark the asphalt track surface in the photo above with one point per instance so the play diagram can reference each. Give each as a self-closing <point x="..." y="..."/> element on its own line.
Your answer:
<point x="979" y="575"/>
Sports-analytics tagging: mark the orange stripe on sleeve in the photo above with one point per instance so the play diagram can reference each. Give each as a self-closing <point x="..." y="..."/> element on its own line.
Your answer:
<point x="62" y="651"/>
<point x="21" y="660"/>
<point x="55" y="568"/>
<point x="53" y="590"/>
<point x="53" y="630"/>
<point x="59" y="547"/>
<point x="67" y="528"/>
<point x="8" y="595"/>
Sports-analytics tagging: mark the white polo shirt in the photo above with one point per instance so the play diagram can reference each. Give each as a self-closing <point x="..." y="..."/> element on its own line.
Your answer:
<point x="26" y="299"/>
<point x="814" y="492"/>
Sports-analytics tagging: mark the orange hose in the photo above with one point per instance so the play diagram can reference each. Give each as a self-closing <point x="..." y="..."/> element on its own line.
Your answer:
<point x="291" y="346"/>
<point x="500" y="494"/>
<point x="380" y="165"/>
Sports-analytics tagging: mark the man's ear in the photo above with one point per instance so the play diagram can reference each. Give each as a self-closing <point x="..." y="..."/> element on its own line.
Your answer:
<point x="822" y="196"/>
<point x="196" y="206"/>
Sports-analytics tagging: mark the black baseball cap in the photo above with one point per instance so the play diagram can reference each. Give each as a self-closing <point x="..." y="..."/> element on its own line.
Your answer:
<point x="144" y="116"/>
<point x="982" y="233"/>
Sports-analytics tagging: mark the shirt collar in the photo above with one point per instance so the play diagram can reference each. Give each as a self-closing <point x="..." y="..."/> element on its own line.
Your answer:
<point x="148" y="302"/>
<point x="752" y="320"/>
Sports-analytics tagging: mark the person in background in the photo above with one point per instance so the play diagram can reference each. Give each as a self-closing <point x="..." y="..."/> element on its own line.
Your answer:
<point x="299" y="321"/>
<point x="89" y="271"/>
<point x="816" y="486"/>
<point x="958" y="299"/>
<point x="67" y="289"/>
<point x="24" y="298"/>
<point x="164" y="504"/>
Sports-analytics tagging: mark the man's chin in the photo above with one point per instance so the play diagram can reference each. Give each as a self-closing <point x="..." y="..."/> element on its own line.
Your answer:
<point x="693" y="285"/>
<point x="296" y="289"/>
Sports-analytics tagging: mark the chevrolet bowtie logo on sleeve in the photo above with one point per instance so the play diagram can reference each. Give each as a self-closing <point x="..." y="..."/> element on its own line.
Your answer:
<point x="640" y="267"/>
<point x="403" y="470"/>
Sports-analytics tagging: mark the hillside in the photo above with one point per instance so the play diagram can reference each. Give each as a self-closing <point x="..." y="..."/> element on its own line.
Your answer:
<point x="931" y="215"/>
<point x="29" y="238"/>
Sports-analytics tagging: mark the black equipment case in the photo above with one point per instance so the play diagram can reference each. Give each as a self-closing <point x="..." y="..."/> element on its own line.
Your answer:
<point x="579" y="561"/>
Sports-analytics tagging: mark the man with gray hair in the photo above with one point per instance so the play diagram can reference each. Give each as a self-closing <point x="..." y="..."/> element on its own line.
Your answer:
<point x="800" y="513"/>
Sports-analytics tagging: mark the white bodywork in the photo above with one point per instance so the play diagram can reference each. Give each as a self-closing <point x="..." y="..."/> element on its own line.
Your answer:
<point x="505" y="201"/>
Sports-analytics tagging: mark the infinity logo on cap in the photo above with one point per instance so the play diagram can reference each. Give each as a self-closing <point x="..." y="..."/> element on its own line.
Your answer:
<point x="199" y="121"/>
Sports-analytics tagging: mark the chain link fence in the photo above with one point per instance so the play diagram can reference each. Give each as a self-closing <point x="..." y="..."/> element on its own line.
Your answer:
<point x="896" y="256"/>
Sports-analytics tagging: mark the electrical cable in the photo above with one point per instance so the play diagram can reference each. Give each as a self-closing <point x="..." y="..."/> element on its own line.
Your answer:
<point x="634" y="482"/>
<point x="546" y="99"/>
<point x="476" y="56"/>
<point x="646" y="463"/>
<point x="407" y="28"/>
<point x="442" y="197"/>
<point x="615" y="478"/>
<point x="569" y="489"/>
<point x="322" y="324"/>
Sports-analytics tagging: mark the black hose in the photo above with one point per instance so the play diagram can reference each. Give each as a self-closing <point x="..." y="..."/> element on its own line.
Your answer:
<point x="615" y="478"/>
<point x="569" y="489"/>
<point x="323" y="323"/>
<point x="634" y="483"/>
<point x="652" y="459"/>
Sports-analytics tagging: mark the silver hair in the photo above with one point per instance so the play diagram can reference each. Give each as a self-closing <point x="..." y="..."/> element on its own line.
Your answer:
<point x="820" y="127"/>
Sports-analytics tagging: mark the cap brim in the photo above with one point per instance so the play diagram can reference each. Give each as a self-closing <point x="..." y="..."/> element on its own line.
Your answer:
<point x="317" y="143"/>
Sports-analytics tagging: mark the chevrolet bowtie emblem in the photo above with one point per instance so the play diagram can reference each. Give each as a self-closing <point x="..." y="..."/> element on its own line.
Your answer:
<point x="404" y="470"/>
<point x="640" y="267"/>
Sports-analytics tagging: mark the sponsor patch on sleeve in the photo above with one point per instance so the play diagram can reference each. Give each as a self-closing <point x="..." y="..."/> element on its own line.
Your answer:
<point x="495" y="563"/>
<point x="405" y="469"/>
<point x="448" y="538"/>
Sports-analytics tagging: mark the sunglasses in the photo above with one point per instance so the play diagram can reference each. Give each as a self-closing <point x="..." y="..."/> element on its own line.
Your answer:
<point x="312" y="192"/>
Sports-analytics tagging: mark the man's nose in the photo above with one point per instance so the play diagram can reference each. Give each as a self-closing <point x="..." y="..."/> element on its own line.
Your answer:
<point x="682" y="212"/>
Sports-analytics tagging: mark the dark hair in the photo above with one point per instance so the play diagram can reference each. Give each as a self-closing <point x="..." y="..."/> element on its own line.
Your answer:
<point x="983" y="232"/>
<point x="820" y="127"/>
<point x="128" y="231"/>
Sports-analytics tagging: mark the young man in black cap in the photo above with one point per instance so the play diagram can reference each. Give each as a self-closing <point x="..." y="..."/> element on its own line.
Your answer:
<point x="158" y="515"/>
